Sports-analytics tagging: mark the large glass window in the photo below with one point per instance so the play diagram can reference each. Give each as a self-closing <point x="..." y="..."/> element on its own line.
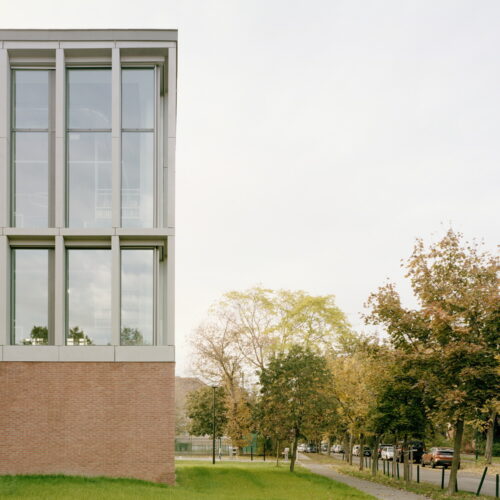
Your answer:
<point x="30" y="296"/>
<point x="31" y="124"/>
<point x="138" y="125"/>
<point x="137" y="297"/>
<point x="89" y="148"/>
<point x="89" y="297"/>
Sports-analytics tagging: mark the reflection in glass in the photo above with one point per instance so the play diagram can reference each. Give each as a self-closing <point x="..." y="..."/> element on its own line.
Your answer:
<point x="30" y="304"/>
<point x="138" y="89"/>
<point x="137" y="299"/>
<point x="89" y="297"/>
<point x="89" y="98"/>
<point x="89" y="181"/>
<point x="137" y="179"/>
<point x="31" y="99"/>
<point x="31" y="179"/>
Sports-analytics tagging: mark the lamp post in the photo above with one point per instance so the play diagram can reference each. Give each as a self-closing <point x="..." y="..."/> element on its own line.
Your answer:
<point x="213" y="433"/>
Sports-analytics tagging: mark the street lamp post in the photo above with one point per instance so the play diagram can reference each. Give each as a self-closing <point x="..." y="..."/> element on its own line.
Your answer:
<point x="213" y="433"/>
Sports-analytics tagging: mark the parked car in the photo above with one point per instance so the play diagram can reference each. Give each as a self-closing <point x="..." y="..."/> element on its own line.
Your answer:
<point x="438" y="456"/>
<point x="356" y="451"/>
<point x="380" y="446"/>
<point x="415" y="451"/>
<point x="324" y="447"/>
<point x="301" y="447"/>
<point x="337" y="448"/>
<point x="311" y="448"/>
<point x="387" y="453"/>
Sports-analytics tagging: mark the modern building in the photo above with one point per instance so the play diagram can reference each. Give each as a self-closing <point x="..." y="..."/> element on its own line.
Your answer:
<point x="87" y="174"/>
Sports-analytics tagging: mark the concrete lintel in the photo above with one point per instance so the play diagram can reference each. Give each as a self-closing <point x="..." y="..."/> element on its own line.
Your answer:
<point x="144" y="353"/>
<point x="30" y="353"/>
<point x="88" y="35"/>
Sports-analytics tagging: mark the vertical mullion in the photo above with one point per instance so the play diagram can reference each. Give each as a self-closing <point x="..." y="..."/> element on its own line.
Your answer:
<point x="51" y="289"/>
<point x="115" y="290"/>
<point x="51" y="159"/>
<point x="170" y="135"/>
<point x="60" y="156"/>
<point x="60" y="292"/>
<point x="116" y="136"/>
<point x="169" y="321"/>
<point x="4" y="139"/>
<point x="5" y="291"/>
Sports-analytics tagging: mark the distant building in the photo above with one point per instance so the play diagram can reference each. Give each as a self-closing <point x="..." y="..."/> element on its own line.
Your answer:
<point x="87" y="173"/>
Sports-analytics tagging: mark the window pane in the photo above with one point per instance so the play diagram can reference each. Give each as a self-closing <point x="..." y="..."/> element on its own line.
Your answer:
<point x="30" y="278"/>
<point x="138" y="89"/>
<point x="89" y="156"/>
<point x="31" y="179"/>
<point x="137" y="297"/>
<point x="137" y="179"/>
<point x="89" y="297"/>
<point x="31" y="99"/>
<point x="89" y="98"/>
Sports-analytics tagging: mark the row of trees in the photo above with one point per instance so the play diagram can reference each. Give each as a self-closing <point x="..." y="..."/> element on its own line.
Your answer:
<point x="289" y="366"/>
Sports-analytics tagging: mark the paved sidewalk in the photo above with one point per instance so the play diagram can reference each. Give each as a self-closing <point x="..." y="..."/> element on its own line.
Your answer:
<point x="375" y="489"/>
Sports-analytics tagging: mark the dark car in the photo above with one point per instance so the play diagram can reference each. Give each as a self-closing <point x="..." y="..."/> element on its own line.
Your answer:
<point x="436" y="457"/>
<point x="415" y="451"/>
<point x="311" y="448"/>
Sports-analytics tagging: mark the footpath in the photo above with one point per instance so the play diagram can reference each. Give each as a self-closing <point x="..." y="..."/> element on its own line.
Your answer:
<point x="377" y="490"/>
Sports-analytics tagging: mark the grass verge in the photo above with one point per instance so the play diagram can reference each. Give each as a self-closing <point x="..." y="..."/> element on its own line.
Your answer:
<point x="195" y="480"/>
<point x="427" y="489"/>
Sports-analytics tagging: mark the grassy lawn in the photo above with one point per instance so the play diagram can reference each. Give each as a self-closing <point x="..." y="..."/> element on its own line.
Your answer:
<point x="195" y="480"/>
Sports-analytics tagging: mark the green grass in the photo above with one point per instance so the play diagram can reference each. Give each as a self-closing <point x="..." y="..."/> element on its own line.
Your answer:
<point x="195" y="480"/>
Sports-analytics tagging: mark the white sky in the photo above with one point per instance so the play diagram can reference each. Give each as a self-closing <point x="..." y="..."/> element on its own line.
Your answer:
<point x="317" y="139"/>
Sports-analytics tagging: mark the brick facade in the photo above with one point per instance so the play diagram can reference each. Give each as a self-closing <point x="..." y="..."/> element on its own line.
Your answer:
<point x="92" y="419"/>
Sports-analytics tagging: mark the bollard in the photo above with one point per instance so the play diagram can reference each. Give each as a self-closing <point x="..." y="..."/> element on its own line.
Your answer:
<point x="482" y="481"/>
<point x="442" y="478"/>
<point x="418" y="473"/>
<point x="497" y="486"/>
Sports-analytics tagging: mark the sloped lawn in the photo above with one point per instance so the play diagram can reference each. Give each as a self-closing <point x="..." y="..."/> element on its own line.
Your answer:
<point x="195" y="480"/>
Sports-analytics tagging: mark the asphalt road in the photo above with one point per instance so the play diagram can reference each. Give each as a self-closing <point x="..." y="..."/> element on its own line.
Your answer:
<point x="467" y="481"/>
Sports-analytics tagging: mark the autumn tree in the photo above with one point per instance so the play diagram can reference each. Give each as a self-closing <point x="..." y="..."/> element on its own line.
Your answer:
<point x="451" y="337"/>
<point x="295" y="392"/>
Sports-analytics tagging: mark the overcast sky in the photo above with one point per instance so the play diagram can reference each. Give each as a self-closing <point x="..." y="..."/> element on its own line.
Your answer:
<point x="317" y="139"/>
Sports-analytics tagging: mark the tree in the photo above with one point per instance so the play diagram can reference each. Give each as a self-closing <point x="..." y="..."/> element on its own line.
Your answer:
<point x="199" y="409"/>
<point x="79" y="337"/>
<point x="131" y="336"/>
<point x="39" y="336"/>
<point x="452" y="337"/>
<point x="294" y="392"/>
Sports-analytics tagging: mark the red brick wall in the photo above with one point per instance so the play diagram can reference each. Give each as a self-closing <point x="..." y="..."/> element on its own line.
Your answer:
<point x="93" y="419"/>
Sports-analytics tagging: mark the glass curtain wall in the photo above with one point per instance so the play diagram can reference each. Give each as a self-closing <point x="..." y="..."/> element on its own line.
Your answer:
<point x="31" y="130"/>
<point x="138" y="126"/>
<point x="89" y="147"/>
<point x="89" y="297"/>
<point x="30" y="296"/>
<point x="137" y="296"/>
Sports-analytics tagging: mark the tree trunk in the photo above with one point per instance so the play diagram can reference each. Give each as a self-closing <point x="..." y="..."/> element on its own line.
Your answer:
<point x="404" y="454"/>
<point x="457" y="446"/>
<point x="375" y="455"/>
<point x="361" y="452"/>
<point x="490" y="436"/>
<point x="350" y="449"/>
<point x="345" y="444"/>
<point x="294" y="451"/>
<point x="278" y="453"/>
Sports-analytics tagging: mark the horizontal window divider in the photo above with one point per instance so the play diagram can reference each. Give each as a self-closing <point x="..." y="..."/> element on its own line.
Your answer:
<point x="22" y="63"/>
<point x="138" y="129"/>
<point x="46" y="130"/>
<point x="81" y="130"/>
